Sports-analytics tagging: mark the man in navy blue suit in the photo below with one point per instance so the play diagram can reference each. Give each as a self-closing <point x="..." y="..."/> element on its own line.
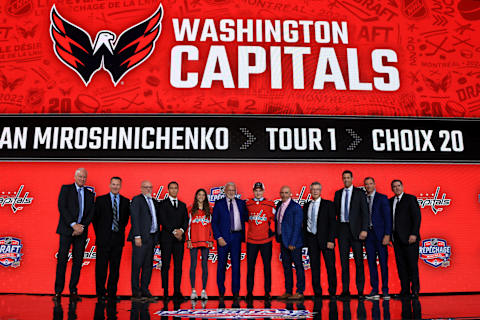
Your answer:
<point x="288" y="232"/>
<point x="228" y="226"/>
<point x="379" y="231"/>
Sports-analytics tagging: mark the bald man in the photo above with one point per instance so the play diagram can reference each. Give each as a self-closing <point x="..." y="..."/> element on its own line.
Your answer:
<point x="288" y="230"/>
<point x="76" y="208"/>
<point x="144" y="236"/>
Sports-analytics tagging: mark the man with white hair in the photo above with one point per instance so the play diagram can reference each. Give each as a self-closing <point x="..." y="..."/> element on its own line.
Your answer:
<point x="228" y="226"/>
<point x="76" y="207"/>
<point x="144" y="236"/>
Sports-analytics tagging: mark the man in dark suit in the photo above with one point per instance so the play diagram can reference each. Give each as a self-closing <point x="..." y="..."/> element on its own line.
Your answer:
<point x="228" y="226"/>
<point x="288" y="232"/>
<point x="406" y="238"/>
<point x="173" y="217"/>
<point x="112" y="212"/>
<point x="144" y="237"/>
<point x="76" y="207"/>
<point x="352" y="222"/>
<point x="319" y="226"/>
<point x="379" y="231"/>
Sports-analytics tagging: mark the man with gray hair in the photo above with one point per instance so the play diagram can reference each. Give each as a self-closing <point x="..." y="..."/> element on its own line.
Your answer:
<point x="228" y="226"/>
<point x="76" y="207"/>
<point x="319" y="225"/>
<point x="144" y="236"/>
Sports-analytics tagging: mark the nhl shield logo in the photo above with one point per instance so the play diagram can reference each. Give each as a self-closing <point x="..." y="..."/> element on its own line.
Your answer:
<point x="435" y="252"/>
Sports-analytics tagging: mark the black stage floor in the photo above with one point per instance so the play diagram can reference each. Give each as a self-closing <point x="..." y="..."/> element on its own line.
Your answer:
<point x="18" y="306"/>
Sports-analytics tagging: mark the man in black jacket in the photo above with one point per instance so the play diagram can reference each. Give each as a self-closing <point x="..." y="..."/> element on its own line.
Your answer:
<point x="352" y="222"/>
<point x="173" y="218"/>
<point x="406" y="237"/>
<point x="144" y="237"/>
<point x="319" y="226"/>
<point x="76" y="207"/>
<point x="112" y="212"/>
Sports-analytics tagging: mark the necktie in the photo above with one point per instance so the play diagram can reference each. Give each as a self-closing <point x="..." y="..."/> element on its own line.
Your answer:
<point x="232" y="218"/>
<point x="313" y="226"/>
<point x="347" y="214"/>
<point x="153" y="228"/>
<point x="80" y="204"/>
<point x="369" y="199"/>
<point x="175" y="203"/>
<point x="115" y="214"/>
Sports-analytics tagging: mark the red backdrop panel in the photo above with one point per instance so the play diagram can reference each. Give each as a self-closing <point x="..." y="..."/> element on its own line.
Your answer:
<point x="436" y="44"/>
<point x="36" y="223"/>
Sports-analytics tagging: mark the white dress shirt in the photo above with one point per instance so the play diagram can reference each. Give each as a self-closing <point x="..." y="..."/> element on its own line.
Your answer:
<point x="312" y="217"/>
<point x="395" y="202"/>
<point x="237" y="223"/>
<point x="342" y="210"/>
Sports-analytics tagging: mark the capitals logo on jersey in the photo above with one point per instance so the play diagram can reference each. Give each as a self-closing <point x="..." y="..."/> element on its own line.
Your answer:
<point x="435" y="252"/>
<point x="10" y="251"/>
<point x="118" y="56"/>
<point x="201" y="219"/>
<point x="259" y="218"/>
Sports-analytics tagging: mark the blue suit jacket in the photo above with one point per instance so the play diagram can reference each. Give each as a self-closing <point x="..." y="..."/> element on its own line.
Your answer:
<point x="381" y="216"/>
<point x="221" y="218"/>
<point x="291" y="225"/>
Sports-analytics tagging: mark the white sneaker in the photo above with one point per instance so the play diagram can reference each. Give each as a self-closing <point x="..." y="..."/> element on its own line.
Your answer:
<point x="193" y="296"/>
<point x="203" y="295"/>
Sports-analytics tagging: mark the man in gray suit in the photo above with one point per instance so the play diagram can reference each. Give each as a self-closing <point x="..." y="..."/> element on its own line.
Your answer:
<point x="144" y="237"/>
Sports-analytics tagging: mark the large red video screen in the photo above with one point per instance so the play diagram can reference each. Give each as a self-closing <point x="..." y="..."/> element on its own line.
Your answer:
<point x="448" y="217"/>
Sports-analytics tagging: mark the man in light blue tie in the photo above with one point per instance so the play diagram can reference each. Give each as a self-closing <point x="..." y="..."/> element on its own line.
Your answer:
<point x="352" y="225"/>
<point x="144" y="236"/>
<point x="76" y="207"/>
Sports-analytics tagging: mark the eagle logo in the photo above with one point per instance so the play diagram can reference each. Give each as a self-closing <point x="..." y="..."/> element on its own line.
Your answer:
<point x="74" y="47"/>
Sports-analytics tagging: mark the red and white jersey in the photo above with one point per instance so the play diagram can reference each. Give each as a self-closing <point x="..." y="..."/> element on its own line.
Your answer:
<point x="199" y="228"/>
<point x="261" y="217"/>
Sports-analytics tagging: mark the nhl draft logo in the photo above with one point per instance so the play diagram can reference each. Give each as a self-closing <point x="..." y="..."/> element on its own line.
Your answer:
<point x="217" y="193"/>
<point x="305" y="259"/>
<point x="118" y="56"/>
<point x="432" y="200"/>
<point x="10" y="252"/>
<point x="157" y="258"/>
<point x="435" y="252"/>
<point x="15" y="198"/>
<point x="243" y="313"/>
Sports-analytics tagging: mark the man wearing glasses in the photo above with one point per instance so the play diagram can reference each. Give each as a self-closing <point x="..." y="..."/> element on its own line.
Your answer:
<point x="144" y="237"/>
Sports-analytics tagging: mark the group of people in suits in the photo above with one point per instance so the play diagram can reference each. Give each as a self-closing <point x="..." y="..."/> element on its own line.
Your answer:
<point x="356" y="217"/>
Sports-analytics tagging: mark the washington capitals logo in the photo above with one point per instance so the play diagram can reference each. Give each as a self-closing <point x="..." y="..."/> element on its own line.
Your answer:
<point x="74" y="47"/>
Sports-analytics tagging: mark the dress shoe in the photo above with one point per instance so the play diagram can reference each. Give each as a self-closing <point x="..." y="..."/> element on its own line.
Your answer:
<point x="345" y="296"/>
<point x="332" y="297"/>
<point x="267" y="296"/>
<point x="415" y="295"/>
<point x="148" y="296"/>
<point x="249" y="296"/>
<point x="102" y="298"/>
<point x="74" y="297"/>
<point x="284" y="296"/>
<point x="178" y="296"/>
<point x="113" y="298"/>
<point x="296" y="296"/>
<point x="236" y="297"/>
<point x="317" y="295"/>
<point x="57" y="297"/>
<point x="221" y="297"/>
<point x="137" y="296"/>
